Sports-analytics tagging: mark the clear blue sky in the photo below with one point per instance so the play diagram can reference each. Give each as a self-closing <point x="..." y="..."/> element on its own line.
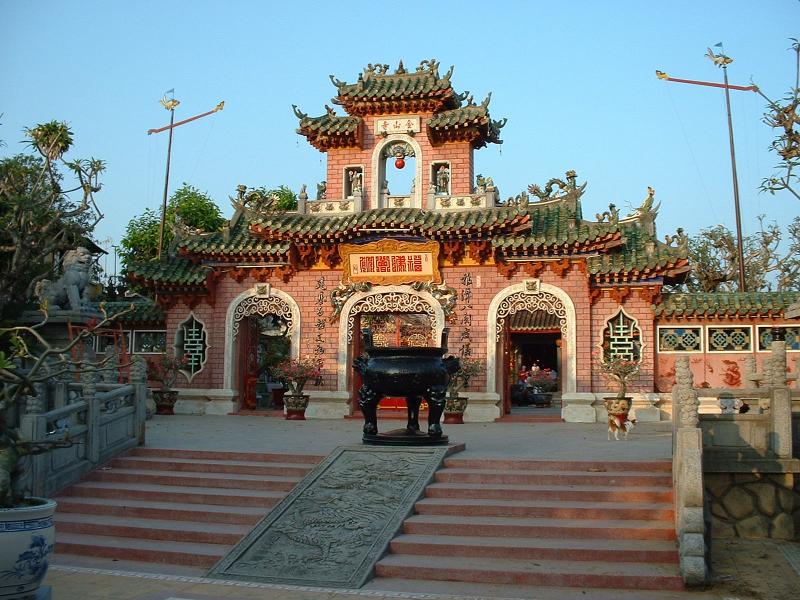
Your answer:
<point x="575" y="80"/>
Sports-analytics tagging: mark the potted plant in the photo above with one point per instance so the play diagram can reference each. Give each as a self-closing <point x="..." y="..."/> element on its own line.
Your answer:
<point x="622" y="370"/>
<point x="455" y="404"/>
<point x="295" y="373"/>
<point x="542" y="384"/>
<point x="164" y="370"/>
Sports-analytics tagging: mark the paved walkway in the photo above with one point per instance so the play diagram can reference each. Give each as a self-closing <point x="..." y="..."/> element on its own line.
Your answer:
<point x="89" y="579"/>
<point x="547" y="441"/>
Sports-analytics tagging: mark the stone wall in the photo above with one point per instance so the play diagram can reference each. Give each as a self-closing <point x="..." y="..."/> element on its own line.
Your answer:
<point x="754" y="505"/>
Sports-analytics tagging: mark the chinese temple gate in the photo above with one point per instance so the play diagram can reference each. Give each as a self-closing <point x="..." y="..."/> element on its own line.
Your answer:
<point x="528" y="279"/>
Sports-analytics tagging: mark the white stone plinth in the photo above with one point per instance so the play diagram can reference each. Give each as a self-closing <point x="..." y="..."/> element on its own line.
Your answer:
<point x="644" y="409"/>
<point x="202" y="401"/>
<point x="327" y="405"/>
<point x="577" y="407"/>
<point x="482" y="407"/>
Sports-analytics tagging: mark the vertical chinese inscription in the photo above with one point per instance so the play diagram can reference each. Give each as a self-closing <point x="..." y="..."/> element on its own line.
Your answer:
<point x="466" y="316"/>
<point x="320" y="322"/>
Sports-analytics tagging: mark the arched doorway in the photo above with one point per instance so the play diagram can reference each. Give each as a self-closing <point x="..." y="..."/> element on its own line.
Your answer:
<point x="410" y="192"/>
<point x="534" y="340"/>
<point x="403" y="309"/>
<point x="255" y="321"/>
<point x="534" y="298"/>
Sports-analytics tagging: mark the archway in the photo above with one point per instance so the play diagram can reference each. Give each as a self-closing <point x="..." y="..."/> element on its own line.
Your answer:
<point x="385" y="151"/>
<point x="386" y="299"/>
<point x="261" y="300"/>
<point x="532" y="296"/>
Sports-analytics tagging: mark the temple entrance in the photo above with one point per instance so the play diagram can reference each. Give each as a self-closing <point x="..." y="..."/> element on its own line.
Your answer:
<point x="393" y="329"/>
<point x="533" y="360"/>
<point x="263" y="342"/>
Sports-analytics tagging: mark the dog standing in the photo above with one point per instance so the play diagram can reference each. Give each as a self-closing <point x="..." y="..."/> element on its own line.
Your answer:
<point x="617" y="423"/>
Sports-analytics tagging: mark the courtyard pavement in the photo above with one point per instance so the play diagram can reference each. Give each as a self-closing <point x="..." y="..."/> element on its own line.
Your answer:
<point x="86" y="578"/>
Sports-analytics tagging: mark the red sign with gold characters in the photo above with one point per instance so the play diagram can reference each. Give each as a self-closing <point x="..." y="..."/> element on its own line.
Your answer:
<point x="390" y="262"/>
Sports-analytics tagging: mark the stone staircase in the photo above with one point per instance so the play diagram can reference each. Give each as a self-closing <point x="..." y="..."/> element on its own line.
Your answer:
<point x="540" y="523"/>
<point x="176" y="507"/>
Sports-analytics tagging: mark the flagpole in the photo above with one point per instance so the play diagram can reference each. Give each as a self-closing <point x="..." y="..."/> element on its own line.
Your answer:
<point x="721" y="60"/>
<point x="166" y="183"/>
<point x="170" y="105"/>
<point x="739" y="243"/>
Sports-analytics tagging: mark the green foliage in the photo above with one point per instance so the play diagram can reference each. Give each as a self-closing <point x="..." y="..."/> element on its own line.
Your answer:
<point x="39" y="219"/>
<point x="187" y="205"/>
<point x="287" y="199"/>
<point x="468" y="369"/>
<point x="52" y="139"/>
<point x="782" y="116"/>
<point x="771" y="259"/>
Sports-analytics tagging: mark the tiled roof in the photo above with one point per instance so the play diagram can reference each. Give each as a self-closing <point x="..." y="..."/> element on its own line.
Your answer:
<point x="330" y="130"/>
<point x="725" y="304"/>
<point x="434" y="224"/>
<point x="376" y="84"/>
<point x="555" y="224"/>
<point x="171" y="271"/>
<point x="539" y="320"/>
<point x="143" y="311"/>
<point x="240" y="242"/>
<point x="470" y="116"/>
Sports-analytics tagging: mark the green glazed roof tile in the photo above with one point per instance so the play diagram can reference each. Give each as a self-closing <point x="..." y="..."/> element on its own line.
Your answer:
<point x="173" y="270"/>
<point x="143" y="311"/>
<point x="725" y="303"/>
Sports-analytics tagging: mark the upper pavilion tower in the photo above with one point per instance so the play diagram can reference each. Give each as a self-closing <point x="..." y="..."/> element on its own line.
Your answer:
<point x="391" y="117"/>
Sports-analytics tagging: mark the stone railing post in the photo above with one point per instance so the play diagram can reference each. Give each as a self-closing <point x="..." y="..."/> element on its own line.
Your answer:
<point x="687" y="474"/>
<point x="780" y="399"/>
<point x="139" y="381"/>
<point x="89" y="393"/>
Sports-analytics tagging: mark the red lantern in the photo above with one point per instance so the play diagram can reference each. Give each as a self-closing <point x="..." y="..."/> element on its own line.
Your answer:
<point x="400" y="163"/>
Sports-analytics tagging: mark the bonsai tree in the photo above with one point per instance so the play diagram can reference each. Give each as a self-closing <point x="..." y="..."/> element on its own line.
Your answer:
<point x="27" y="359"/>
<point x="165" y="369"/>
<point x="295" y="373"/>
<point x="619" y="369"/>
<point x="467" y="370"/>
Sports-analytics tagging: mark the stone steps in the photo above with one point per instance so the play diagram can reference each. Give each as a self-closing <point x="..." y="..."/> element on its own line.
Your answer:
<point x="173" y="506"/>
<point x="550" y="524"/>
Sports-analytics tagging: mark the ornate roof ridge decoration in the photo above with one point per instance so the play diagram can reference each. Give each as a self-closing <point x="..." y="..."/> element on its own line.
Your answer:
<point x="726" y="304"/>
<point x="645" y="215"/>
<point x="379" y="92"/>
<point x="330" y="130"/>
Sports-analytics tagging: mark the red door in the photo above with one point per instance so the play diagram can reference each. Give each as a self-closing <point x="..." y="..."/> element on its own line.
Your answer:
<point x="248" y="362"/>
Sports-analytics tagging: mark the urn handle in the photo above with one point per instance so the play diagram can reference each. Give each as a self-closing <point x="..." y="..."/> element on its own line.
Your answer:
<point x="366" y="336"/>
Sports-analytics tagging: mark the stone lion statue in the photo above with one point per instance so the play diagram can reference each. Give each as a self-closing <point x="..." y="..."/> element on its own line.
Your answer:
<point x="73" y="285"/>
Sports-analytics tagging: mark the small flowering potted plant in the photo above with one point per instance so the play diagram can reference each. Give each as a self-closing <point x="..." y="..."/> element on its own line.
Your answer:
<point x="622" y="370"/>
<point x="295" y="373"/>
<point x="164" y="370"/>
<point x="454" y="404"/>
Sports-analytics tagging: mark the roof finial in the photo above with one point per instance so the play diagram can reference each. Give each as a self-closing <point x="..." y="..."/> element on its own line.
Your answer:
<point x="339" y="84"/>
<point x="298" y="113"/>
<point x="401" y="70"/>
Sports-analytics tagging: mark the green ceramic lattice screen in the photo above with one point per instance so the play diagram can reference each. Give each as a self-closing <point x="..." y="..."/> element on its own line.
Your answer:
<point x="730" y="339"/>
<point x="191" y="344"/>
<point x="765" y="338"/>
<point x="622" y="338"/>
<point x="680" y="339"/>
